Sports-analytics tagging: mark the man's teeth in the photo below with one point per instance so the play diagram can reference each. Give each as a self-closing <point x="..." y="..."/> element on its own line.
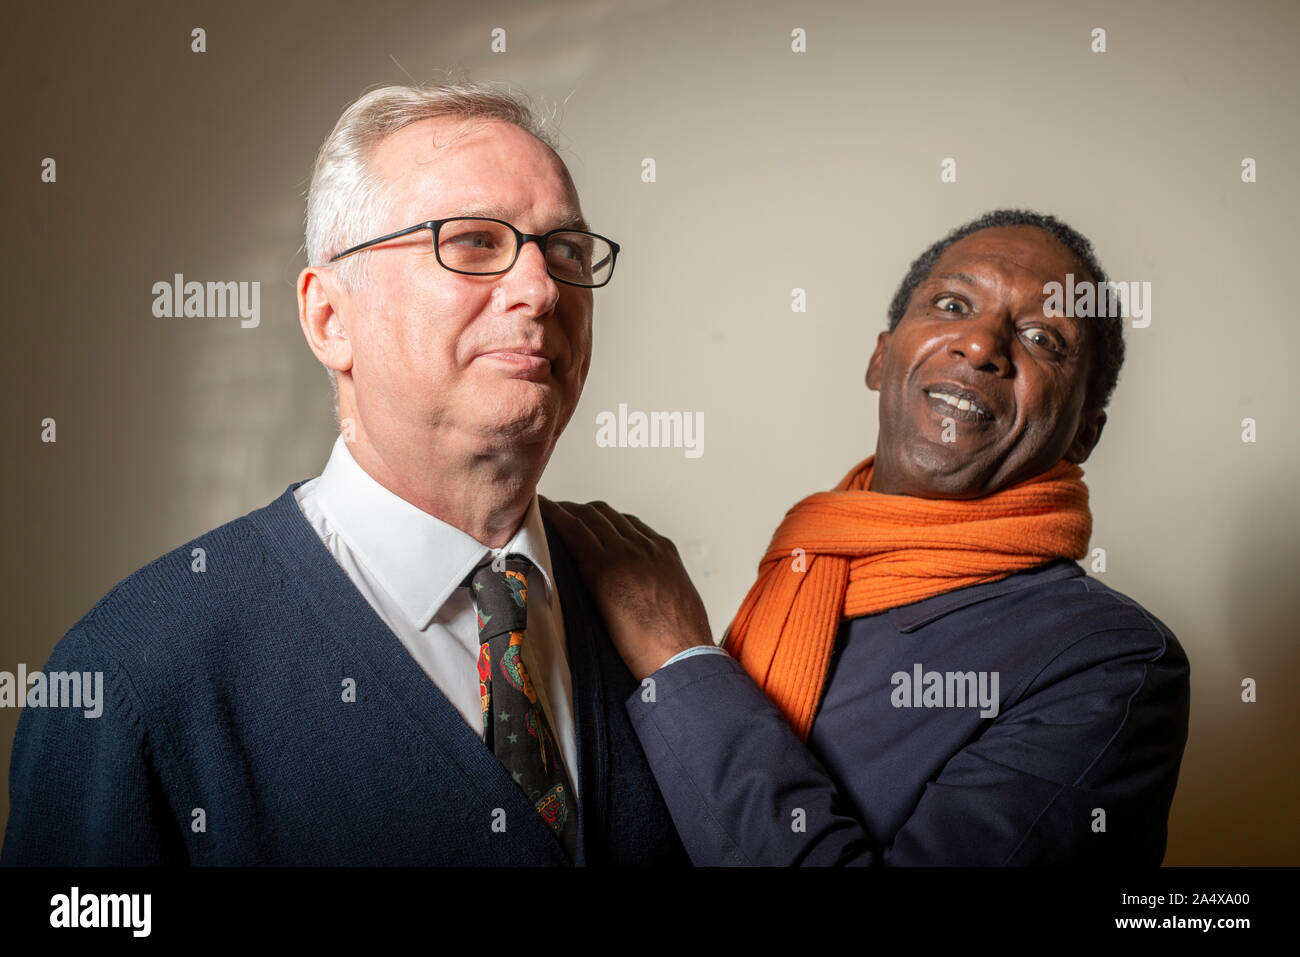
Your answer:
<point x="963" y="404"/>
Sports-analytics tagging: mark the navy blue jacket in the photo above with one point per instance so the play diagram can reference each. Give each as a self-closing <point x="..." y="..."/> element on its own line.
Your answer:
<point x="1078" y="766"/>
<point x="224" y="694"/>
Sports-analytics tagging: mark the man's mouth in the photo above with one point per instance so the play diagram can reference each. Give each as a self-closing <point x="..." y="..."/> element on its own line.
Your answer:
<point x="515" y="354"/>
<point x="960" y="401"/>
<point x="527" y="363"/>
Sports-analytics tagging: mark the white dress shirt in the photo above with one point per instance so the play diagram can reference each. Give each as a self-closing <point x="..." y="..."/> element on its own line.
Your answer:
<point x="410" y="565"/>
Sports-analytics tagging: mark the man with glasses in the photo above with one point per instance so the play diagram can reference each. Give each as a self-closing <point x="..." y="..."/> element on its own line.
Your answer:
<point x="395" y="662"/>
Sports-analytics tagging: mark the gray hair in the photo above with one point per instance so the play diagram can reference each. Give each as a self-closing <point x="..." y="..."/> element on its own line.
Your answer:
<point x="347" y="204"/>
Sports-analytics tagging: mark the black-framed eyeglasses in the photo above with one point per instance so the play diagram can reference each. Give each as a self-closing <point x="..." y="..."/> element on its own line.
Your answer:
<point x="479" y="246"/>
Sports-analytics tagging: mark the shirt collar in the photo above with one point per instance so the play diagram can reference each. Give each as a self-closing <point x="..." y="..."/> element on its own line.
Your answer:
<point x="419" y="559"/>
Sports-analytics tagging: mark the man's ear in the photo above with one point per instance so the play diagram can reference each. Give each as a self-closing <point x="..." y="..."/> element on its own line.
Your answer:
<point x="319" y="297"/>
<point x="876" y="363"/>
<point x="1091" y="422"/>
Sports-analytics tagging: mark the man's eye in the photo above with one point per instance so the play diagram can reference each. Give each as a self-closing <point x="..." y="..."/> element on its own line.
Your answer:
<point x="1043" y="338"/>
<point x="953" y="304"/>
<point x="479" y="240"/>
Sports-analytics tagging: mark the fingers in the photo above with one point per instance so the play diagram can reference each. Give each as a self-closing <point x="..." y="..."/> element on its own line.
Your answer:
<point x="616" y="522"/>
<point x="599" y="520"/>
<point x="647" y="531"/>
<point x="580" y="539"/>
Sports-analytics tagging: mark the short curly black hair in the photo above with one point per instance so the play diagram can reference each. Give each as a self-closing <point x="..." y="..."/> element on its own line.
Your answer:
<point x="1107" y="336"/>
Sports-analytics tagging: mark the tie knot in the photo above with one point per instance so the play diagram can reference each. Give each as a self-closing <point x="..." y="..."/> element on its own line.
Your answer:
<point x="500" y="593"/>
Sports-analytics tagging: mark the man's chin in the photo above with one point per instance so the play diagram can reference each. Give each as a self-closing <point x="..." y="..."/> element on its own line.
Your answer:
<point x="522" y="414"/>
<point x="940" y="470"/>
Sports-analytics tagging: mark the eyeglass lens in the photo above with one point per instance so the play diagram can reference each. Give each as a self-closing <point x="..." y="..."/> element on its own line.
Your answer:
<point x="481" y="246"/>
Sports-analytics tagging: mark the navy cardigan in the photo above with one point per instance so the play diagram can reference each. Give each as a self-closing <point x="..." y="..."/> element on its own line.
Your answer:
<point x="227" y="738"/>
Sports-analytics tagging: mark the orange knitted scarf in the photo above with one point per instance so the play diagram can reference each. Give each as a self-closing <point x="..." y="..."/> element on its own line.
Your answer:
<point x="852" y="552"/>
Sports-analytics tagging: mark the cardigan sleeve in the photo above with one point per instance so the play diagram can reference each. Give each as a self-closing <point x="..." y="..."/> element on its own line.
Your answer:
<point x="1081" y="768"/>
<point x="84" y="790"/>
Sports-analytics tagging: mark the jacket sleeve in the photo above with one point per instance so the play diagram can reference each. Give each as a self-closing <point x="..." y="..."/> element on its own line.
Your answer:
<point x="84" y="790"/>
<point x="1079" y="769"/>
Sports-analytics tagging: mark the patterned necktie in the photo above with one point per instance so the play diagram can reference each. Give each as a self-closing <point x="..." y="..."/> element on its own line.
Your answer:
<point x="514" y="724"/>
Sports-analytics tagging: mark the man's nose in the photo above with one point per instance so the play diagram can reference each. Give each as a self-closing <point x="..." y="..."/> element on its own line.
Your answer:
<point x="528" y="280"/>
<point x="986" y="343"/>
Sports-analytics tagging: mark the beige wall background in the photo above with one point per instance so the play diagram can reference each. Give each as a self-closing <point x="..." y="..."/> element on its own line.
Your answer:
<point x="775" y="170"/>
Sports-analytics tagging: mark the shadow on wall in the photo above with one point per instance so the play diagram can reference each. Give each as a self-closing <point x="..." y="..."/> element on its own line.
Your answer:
<point x="1238" y="788"/>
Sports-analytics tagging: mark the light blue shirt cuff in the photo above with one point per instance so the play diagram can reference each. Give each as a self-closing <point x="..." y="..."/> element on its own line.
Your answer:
<point x="698" y="650"/>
